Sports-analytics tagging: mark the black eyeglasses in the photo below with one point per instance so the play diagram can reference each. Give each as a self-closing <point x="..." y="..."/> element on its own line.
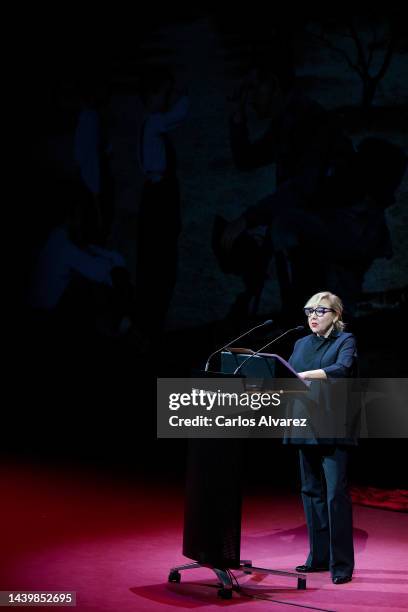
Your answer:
<point x="320" y="311"/>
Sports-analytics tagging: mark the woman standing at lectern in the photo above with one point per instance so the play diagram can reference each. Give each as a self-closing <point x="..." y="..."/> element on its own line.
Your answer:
<point x="327" y="353"/>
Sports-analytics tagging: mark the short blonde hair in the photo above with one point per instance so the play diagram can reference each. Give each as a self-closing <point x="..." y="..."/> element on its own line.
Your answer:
<point x="334" y="302"/>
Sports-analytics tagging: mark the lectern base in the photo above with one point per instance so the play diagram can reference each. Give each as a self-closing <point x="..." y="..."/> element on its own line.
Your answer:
<point x="224" y="576"/>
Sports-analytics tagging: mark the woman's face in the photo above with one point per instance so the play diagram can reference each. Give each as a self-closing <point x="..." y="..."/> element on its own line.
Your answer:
<point x="321" y="324"/>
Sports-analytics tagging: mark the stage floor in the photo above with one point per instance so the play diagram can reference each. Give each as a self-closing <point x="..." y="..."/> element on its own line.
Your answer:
<point x="113" y="541"/>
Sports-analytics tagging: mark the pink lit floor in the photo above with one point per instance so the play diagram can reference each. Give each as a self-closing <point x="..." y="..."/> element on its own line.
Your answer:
<point x="113" y="542"/>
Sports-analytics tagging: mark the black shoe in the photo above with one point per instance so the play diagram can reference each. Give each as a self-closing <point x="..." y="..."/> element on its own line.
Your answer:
<point x="341" y="579"/>
<point x="305" y="569"/>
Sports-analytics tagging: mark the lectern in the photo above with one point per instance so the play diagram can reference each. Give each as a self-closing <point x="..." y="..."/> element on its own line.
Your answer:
<point x="212" y="518"/>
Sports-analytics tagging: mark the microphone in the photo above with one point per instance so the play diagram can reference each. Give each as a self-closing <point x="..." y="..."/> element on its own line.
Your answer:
<point x="297" y="328"/>
<point x="268" y="322"/>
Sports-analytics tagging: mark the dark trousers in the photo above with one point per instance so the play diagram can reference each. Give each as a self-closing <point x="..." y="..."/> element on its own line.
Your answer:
<point x="157" y="250"/>
<point x="327" y="506"/>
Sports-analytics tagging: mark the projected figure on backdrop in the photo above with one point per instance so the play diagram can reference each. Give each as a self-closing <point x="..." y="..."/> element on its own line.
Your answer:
<point x="326" y="208"/>
<point x="328" y="353"/>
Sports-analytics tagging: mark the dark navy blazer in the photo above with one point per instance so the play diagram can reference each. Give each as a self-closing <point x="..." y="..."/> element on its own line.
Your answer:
<point x="328" y="404"/>
<point x="336" y="355"/>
